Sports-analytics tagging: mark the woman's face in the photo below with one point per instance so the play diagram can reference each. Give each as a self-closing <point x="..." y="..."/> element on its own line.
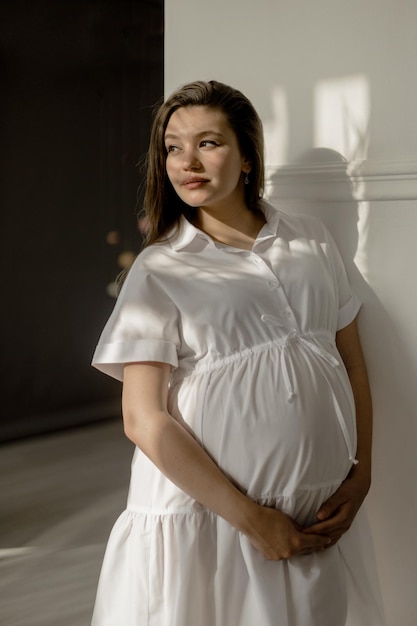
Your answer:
<point x="204" y="162"/>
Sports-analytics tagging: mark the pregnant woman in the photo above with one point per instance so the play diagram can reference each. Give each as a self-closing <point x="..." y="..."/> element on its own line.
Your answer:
<point x="245" y="392"/>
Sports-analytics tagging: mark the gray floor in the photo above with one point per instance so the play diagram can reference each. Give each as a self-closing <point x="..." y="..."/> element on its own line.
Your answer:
<point x="59" y="497"/>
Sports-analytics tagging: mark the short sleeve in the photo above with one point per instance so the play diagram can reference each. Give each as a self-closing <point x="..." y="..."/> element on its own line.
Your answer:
<point x="348" y="303"/>
<point x="348" y="312"/>
<point x="142" y="327"/>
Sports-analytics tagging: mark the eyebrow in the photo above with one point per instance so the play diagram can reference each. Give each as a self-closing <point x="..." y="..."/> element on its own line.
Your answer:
<point x="201" y="134"/>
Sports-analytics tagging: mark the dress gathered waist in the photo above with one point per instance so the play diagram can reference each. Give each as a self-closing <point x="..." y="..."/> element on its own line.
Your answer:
<point x="307" y="339"/>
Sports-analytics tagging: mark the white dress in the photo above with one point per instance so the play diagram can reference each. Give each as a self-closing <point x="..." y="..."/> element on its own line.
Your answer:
<point x="258" y="378"/>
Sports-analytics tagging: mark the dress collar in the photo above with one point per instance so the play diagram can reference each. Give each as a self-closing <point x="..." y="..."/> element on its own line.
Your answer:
<point x="184" y="234"/>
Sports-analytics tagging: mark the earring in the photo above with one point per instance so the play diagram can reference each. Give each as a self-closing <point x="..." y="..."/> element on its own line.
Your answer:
<point x="247" y="178"/>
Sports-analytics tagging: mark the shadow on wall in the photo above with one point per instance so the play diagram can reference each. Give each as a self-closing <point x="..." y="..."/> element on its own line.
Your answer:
<point x="319" y="184"/>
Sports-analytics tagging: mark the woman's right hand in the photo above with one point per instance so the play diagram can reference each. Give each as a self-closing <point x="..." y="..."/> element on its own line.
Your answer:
<point x="276" y="536"/>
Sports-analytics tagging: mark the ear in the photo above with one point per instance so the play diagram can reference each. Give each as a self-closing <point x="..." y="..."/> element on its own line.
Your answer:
<point x="246" y="165"/>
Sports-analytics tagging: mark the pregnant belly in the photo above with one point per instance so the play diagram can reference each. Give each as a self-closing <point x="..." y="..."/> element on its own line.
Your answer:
<point x="269" y="443"/>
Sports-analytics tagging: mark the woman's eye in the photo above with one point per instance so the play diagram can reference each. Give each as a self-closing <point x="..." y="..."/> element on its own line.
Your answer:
<point x="208" y="142"/>
<point x="172" y="148"/>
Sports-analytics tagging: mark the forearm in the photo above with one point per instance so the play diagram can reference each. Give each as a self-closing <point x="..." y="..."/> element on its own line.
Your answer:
<point x="181" y="458"/>
<point x="349" y="346"/>
<point x="363" y="404"/>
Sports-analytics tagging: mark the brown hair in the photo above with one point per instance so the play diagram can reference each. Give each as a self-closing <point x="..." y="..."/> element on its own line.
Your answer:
<point x="162" y="206"/>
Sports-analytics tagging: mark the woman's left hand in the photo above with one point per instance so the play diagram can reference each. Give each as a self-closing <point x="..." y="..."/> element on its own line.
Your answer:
<point x="338" y="512"/>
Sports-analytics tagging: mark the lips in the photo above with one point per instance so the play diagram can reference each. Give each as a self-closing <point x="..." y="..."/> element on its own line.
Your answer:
<point x="193" y="182"/>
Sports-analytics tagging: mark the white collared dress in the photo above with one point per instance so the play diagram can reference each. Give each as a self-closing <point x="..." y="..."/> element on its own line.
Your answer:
<point x="256" y="375"/>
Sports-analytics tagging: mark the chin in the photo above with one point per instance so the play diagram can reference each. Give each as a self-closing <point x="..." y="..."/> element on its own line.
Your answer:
<point x="194" y="202"/>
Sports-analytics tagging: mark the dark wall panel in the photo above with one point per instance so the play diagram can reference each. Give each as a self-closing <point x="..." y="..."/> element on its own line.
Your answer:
<point x="78" y="84"/>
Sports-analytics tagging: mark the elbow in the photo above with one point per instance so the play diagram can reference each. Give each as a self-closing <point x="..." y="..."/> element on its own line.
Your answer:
<point x="134" y="428"/>
<point x="130" y="425"/>
<point x="144" y="429"/>
<point x="129" y="431"/>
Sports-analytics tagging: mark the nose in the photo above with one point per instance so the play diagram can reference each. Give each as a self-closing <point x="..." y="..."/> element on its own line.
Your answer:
<point x="191" y="162"/>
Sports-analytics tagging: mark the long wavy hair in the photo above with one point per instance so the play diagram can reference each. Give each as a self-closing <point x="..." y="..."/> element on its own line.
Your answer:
<point x="162" y="206"/>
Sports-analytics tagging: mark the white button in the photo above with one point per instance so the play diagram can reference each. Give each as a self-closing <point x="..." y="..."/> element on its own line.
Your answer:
<point x="257" y="260"/>
<point x="273" y="284"/>
<point x="288" y="314"/>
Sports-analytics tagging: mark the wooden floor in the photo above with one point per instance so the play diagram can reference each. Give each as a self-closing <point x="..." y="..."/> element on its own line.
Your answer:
<point x="59" y="497"/>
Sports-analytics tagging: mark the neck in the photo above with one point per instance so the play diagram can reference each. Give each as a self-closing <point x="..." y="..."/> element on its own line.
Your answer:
<point x="237" y="226"/>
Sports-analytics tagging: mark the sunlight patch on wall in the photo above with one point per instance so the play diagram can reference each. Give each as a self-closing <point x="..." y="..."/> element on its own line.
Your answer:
<point x="361" y="256"/>
<point x="276" y="129"/>
<point x="342" y="111"/>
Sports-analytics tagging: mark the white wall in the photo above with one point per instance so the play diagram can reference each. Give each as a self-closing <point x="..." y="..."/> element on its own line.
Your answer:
<point x="340" y="75"/>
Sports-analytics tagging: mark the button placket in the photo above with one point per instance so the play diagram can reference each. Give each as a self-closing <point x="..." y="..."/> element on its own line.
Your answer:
<point x="284" y="309"/>
<point x="272" y="280"/>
